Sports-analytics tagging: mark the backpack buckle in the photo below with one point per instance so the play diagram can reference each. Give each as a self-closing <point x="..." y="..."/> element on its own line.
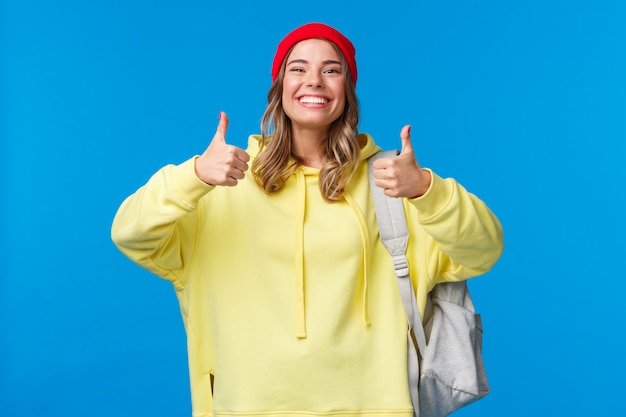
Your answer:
<point x="401" y="265"/>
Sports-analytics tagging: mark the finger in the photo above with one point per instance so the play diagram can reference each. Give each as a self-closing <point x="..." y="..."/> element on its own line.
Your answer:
<point x="380" y="183"/>
<point x="237" y="174"/>
<point x="382" y="163"/>
<point x="405" y="135"/>
<point x="381" y="174"/>
<point x="230" y="182"/>
<point x="222" y="127"/>
<point x="386" y="183"/>
<point x="240" y="165"/>
<point x="242" y="155"/>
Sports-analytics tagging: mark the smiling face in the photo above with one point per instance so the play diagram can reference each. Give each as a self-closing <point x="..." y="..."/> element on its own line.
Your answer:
<point x="313" y="85"/>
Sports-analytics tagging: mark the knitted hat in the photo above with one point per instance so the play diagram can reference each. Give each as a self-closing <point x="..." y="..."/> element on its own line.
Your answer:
<point x="311" y="31"/>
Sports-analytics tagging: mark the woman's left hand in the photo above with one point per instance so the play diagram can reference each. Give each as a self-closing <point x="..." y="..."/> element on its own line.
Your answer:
<point x="402" y="176"/>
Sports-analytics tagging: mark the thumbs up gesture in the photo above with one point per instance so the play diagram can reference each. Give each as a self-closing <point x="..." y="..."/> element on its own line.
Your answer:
<point x="402" y="176"/>
<point x="222" y="164"/>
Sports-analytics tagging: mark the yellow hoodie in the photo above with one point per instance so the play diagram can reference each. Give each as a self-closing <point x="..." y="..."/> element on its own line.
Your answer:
<point x="290" y="303"/>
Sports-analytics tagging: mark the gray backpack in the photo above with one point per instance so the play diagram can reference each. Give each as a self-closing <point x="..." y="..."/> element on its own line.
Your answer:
<point x="445" y="369"/>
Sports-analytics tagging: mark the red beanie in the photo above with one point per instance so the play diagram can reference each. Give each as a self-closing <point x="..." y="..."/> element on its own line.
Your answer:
<point x="311" y="31"/>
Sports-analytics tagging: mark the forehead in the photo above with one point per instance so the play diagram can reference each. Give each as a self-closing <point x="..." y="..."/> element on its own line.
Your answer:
<point x="311" y="49"/>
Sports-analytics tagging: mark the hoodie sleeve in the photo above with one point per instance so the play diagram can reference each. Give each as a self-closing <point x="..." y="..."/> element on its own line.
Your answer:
<point x="156" y="226"/>
<point x="463" y="237"/>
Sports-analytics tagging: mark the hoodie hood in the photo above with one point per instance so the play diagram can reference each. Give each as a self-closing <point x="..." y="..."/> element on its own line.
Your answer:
<point x="368" y="146"/>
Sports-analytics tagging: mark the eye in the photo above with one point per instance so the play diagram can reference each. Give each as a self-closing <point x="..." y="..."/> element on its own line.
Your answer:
<point x="332" y="70"/>
<point x="296" y="69"/>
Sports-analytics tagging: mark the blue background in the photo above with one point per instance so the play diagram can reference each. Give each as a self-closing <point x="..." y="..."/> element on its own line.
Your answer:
<point x="524" y="102"/>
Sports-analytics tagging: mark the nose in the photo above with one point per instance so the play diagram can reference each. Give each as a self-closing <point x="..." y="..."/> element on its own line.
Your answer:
<point x="314" y="79"/>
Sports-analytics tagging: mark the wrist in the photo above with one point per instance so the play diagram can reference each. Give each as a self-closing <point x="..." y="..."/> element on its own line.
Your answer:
<point x="424" y="182"/>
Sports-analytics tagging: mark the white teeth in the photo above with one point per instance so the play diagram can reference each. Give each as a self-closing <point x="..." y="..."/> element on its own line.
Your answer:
<point x="313" y="100"/>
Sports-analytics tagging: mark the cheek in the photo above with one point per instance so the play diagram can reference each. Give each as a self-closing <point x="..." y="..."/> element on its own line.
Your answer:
<point x="340" y="93"/>
<point x="341" y="101"/>
<point x="289" y="87"/>
<point x="286" y="103"/>
<point x="285" y="98"/>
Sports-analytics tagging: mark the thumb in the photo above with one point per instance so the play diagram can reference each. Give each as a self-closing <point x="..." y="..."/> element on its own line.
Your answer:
<point x="220" y="134"/>
<point x="405" y="135"/>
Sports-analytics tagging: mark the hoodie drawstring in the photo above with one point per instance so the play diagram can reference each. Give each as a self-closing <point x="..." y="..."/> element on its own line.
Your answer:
<point x="365" y="244"/>
<point x="299" y="255"/>
<point x="300" y="206"/>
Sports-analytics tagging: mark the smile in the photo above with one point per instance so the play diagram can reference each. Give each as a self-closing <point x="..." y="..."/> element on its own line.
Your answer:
<point x="313" y="100"/>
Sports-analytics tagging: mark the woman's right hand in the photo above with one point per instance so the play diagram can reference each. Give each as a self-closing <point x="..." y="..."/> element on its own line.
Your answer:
<point x="221" y="163"/>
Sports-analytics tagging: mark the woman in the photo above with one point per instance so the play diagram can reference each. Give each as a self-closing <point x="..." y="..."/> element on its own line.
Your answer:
<point x="289" y="300"/>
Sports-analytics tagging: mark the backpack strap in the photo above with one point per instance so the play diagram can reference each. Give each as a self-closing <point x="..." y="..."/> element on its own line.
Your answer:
<point x="394" y="234"/>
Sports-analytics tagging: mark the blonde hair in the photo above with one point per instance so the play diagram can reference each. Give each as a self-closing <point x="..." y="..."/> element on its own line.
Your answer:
<point x="276" y="161"/>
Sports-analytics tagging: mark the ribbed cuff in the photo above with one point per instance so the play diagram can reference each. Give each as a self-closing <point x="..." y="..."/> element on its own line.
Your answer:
<point x="189" y="187"/>
<point x="435" y="199"/>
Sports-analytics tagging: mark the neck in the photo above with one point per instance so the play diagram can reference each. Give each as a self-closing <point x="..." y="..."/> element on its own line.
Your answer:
<point x="309" y="146"/>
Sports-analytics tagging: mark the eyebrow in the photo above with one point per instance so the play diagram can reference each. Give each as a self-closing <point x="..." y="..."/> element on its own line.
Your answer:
<point x="304" y="61"/>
